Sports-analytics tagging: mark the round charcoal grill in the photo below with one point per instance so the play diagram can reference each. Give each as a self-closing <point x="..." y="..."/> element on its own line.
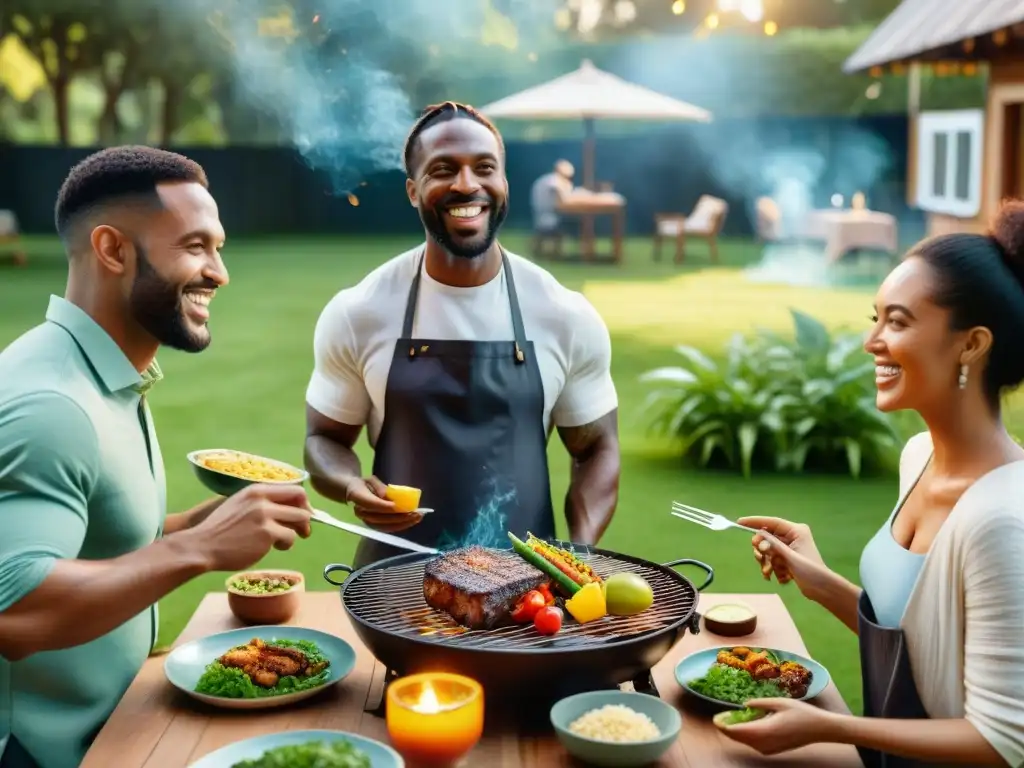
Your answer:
<point x="386" y="604"/>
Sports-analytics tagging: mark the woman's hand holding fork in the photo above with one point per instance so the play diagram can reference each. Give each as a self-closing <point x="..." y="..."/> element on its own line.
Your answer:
<point x="788" y="550"/>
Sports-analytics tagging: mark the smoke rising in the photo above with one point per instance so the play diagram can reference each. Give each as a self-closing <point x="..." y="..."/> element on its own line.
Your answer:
<point x="798" y="179"/>
<point x="325" y="70"/>
<point x="800" y="168"/>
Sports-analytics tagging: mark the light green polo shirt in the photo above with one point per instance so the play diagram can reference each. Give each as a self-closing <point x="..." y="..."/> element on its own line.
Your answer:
<point x="81" y="476"/>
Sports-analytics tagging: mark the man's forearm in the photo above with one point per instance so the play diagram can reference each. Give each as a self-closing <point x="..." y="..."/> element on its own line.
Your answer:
<point x="839" y="596"/>
<point x="182" y="521"/>
<point x="945" y="741"/>
<point x="331" y="466"/>
<point x="593" y="494"/>
<point x="82" y="600"/>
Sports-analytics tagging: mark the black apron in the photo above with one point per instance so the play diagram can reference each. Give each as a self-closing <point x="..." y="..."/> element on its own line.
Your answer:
<point x="464" y="422"/>
<point x="888" y="685"/>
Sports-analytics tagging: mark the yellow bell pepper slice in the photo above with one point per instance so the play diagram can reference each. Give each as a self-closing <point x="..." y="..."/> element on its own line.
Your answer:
<point x="588" y="604"/>
<point x="406" y="499"/>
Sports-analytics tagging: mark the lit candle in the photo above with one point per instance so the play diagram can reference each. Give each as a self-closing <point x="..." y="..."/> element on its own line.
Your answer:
<point x="435" y="718"/>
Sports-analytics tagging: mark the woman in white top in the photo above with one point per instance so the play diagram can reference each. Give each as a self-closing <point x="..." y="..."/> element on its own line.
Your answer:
<point x="940" y="617"/>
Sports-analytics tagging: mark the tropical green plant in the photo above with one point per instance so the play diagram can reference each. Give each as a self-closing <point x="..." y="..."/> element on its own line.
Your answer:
<point x="834" y="409"/>
<point x="774" y="399"/>
<point x="712" y="407"/>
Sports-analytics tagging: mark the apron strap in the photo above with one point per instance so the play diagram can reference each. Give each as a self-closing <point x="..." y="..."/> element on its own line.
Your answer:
<point x="513" y="299"/>
<point x="517" y="315"/>
<point x="410" y="303"/>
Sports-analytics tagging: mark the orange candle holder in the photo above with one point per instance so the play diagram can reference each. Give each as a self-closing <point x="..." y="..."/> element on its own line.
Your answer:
<point x="435" y="718"/>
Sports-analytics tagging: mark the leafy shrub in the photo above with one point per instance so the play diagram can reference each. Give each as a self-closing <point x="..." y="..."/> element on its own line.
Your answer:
<point x="775" y="401"/>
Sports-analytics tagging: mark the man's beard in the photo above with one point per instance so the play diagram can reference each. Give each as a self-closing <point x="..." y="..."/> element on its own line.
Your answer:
<point x="156" y="305"/>
<point x="457" y="245"/>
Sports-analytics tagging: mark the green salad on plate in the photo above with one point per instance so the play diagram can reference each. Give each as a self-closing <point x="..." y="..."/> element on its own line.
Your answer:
<point x="259" y="669"/>
<point x="312" y="754"/>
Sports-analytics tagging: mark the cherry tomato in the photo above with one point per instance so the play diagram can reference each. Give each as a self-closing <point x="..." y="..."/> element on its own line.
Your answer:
<point x="545" y="589"/>
<point x="527" y="607"/>
<point x="548" y="620"/>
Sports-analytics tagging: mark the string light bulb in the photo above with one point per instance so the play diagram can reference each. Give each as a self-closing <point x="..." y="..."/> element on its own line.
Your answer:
<point x="678" y="7"/>
<point x="770" y="28"/>
<point x="752" y="10"/>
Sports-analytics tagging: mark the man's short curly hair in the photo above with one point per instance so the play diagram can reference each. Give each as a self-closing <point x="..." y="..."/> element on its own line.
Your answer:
<point x="120" y="173"/>
<point x="441" y="113"/>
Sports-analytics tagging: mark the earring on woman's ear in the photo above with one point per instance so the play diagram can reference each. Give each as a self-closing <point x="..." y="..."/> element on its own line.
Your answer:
<point x="963" y="377"/>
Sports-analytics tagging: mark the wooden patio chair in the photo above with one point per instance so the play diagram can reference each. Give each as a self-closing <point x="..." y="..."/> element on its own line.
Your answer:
<point x="705" y="222"/>
<point x="9" y="234"/>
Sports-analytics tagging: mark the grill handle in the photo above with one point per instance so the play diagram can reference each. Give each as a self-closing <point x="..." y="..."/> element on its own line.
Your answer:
<point x="332" y="568"/>
<point x="703" y="566"/>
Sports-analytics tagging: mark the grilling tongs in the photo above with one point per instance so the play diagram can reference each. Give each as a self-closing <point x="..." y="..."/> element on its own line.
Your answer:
<point x="369" y="533"/>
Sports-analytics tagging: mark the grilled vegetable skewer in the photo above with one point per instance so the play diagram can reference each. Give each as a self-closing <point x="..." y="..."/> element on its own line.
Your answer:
<point x="558" y="577"/>
<point x="563" y="560"/>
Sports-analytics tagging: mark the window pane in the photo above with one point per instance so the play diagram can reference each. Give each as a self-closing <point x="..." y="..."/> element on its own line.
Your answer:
<point x="939" y="164"/>
<point x="962" y="184"/>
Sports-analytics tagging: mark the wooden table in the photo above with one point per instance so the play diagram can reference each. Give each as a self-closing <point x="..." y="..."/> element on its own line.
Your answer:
<point x="587" y="206"/>
<point x="844" y="230"/>
<point x="157" y="726"/>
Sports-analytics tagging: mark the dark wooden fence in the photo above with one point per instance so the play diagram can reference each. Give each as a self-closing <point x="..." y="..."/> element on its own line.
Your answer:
<point x="273" y="190"/>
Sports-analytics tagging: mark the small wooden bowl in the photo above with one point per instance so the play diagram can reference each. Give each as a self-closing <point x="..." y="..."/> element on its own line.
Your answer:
<point x="272" y="608"/>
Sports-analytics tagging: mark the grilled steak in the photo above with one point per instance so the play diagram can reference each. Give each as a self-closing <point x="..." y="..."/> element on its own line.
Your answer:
<point x="477" y="586"/>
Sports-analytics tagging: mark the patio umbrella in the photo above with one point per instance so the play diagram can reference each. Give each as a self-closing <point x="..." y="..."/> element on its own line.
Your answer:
<point x="587" y="94"/>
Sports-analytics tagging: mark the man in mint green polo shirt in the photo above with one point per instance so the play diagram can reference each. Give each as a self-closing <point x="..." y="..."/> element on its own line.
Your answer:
<point x="86" y="547"/>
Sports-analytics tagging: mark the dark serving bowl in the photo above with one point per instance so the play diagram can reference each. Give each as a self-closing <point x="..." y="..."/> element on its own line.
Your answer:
<point x="226" y="484"/>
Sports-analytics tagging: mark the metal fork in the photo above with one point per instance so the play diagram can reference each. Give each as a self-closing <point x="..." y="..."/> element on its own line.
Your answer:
<point x="706" y="519"/>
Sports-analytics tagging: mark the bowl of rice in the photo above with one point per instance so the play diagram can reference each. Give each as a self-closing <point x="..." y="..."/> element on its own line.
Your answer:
<point x="616" y="729"/>
<point x="226" y="472"/>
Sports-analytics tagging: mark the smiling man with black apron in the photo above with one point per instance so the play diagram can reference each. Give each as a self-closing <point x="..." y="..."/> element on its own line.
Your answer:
<point x="459" y="358"/>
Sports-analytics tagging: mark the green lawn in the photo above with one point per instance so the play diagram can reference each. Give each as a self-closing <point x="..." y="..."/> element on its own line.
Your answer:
<point x="246" y="391"/>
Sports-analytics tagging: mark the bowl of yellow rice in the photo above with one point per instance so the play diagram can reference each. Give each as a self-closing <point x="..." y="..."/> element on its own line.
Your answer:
<point x="226" y="472"/>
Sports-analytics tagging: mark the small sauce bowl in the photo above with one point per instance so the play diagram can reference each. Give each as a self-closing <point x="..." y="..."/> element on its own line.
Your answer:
<point x="266" y="607"/>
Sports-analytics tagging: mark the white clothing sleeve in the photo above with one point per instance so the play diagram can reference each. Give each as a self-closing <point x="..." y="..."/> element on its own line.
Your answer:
<point x="589" y="392"/>
<point x="994" y="623"/>
<point x="336" y="388"/>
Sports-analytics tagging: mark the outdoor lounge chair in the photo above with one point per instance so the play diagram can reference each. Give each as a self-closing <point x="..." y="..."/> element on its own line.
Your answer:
<point x="9" y="234"/>
<point x="705" y="222"/>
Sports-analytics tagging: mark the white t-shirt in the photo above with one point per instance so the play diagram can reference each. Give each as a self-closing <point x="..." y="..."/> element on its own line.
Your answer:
<point x="355" y="337"/>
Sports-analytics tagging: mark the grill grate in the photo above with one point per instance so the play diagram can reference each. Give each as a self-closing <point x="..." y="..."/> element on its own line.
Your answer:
<point x="391" y="600"/>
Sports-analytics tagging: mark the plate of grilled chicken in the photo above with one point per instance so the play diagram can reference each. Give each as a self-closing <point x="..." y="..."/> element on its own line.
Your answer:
<point x="729" y="676"/>
<point x="259" y="667"/>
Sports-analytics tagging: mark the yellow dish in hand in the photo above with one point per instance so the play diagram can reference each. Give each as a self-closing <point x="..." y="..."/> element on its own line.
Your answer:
<point x="406" y="499"/>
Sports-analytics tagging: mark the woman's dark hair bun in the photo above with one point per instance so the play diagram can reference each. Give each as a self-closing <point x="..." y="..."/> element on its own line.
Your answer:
<point x="1008" y="230"/>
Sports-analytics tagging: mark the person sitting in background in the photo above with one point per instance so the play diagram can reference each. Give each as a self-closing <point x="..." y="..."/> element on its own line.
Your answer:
<point x="546" y="195"/>
<point x="940" y="615"/>
<point x="86" y="549"/>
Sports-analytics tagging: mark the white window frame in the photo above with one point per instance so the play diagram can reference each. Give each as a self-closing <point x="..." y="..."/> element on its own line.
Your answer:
<point x="949" y="122"/>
